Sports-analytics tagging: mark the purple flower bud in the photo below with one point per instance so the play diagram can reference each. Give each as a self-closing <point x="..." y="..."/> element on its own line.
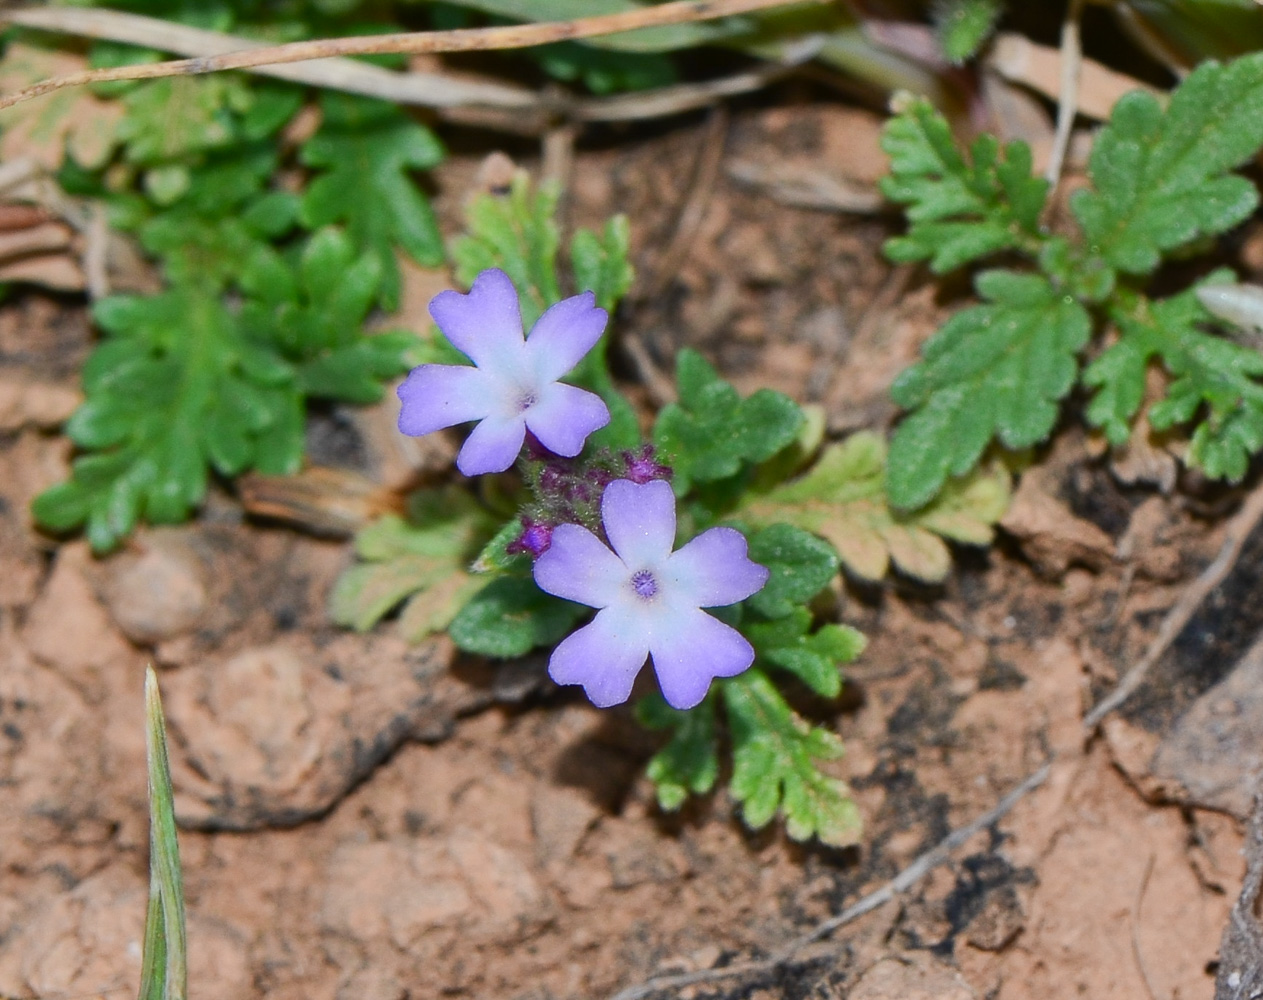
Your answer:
<point x="642" y="467"/>
<point x="535" y="539"/>
<point x="513" y="385"/>
<point x="650" y="599"/>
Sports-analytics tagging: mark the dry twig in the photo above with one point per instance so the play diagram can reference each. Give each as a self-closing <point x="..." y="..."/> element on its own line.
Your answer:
<point x="1239" y="529"/>
<point x="901" y="883"/>
<point x="255" y="56"/>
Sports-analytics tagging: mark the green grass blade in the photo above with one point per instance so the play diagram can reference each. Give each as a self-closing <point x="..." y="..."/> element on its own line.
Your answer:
<point x="164" y="974"/>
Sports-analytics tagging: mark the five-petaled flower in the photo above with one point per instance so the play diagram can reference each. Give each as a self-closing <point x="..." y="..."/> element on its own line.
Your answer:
<point x="650" y="598"/>
<point x="513" y="386"/>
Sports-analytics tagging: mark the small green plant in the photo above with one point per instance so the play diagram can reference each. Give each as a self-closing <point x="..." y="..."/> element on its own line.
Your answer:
<point x="268" y="289"/>
<point x="504" y="575"/>
<point x="1162" y="185"/>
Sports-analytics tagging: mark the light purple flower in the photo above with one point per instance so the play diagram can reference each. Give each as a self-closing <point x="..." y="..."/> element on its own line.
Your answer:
<point x="513" y="385"/>
<point x="649" y="599"/>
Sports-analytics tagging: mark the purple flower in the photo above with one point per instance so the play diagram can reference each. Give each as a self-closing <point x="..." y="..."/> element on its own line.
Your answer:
<point x="649" y="599"/>
<point x="535" y="538"/>
<point x="513" y="385"/>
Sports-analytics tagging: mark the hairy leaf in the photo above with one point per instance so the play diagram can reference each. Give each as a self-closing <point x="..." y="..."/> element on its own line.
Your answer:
<point x="994" y="370"/>
<point x="960" y="208"/>
<point x="181" y="382"/>
<point x="1214" y="381"/>
<point x="801" y="566"/>
<point x="813" y="657"/>
<point x="774" y="756"/>
<point x="842" y="498"/>
<point x="1162" y="178"/>
<point x="689" y="763"/>
<point x="367" y="149"/>
<point x="712" y="432"/>
<point x="421" y="563"/>
<point x="510" y="616"/>
<point x="964" y="25"/>
<point x="515" y="232"/>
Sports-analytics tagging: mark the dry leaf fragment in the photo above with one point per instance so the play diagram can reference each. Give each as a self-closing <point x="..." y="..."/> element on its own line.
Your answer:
<point x="842" y="499"/>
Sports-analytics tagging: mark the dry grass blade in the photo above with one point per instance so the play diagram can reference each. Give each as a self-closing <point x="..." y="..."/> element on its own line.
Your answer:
<point x="413" y="43"/>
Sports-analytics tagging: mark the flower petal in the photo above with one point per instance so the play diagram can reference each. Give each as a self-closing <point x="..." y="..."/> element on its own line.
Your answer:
<point x="564" y="334"/>
<point x="713" y="570"/>
<point x="690" y="649"/>
<point x="438" y="396"/>
<point x="486" y="324"/>
<point x="580" y="567"/>
<point x="604" y="656"/>
<point x="639" y="521"/>
<point x="563" y="416"/>
<point x="492" y="446"/>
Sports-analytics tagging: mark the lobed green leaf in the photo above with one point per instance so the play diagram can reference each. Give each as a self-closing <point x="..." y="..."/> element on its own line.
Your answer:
<point x="996" y="370"/>
<point x="510" y="616"/>
<point x="689" y="763"/>
<point x="366" y="150"/>
<point x="1161" y="178"/>
<point x="774" y="756"/>
<point x="960" y="209"/>
<point x="712" y="432"/>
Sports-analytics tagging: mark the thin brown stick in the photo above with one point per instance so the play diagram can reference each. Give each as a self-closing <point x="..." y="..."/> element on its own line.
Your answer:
<point x="412" y="43"/>
<point x="1239" y="529"/>
<point x="901" y="883"/>
<point x="1136" y="952"/>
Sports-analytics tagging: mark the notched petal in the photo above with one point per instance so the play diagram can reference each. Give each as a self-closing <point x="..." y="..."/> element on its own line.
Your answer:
<point x="604" y="656"/>
<point x="714" y="569"/>
<point x="486" y="324"/>
<point x="578" y="566"/>
<point x="492" y="446"/>
<point x="691" y="649"/>
<point x="438" y="396"/>
<point x="561" y="338"/>
<point x="639" y="521"/>
<point x="563" y="416"/>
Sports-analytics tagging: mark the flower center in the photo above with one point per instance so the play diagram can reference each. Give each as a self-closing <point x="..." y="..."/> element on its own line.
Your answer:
<point x="525" y="400"/>
<point x="644" y="584"/>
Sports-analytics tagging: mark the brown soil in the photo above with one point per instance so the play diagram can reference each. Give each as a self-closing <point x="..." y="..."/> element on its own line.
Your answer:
<point x="368" y="821"/>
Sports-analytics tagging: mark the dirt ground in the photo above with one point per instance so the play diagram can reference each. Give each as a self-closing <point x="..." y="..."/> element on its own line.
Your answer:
<point x="369" y="821"/>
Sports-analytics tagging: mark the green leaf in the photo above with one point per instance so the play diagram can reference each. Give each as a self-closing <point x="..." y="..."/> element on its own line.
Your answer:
<point x="601" y="265"/>
<point x="712" y="431"/>
<point x="964" y="25"/>
<point x="510" y="616"/>
<point x="1214" y="381"/>
<point x="774" y="755"/>
<point x="316" y="317"/>
<point x="515" y="232"/>
<point x="801" y="565"/>
<point x="689" y="763"/>
<point x="1162" y="178"/>
<point x="366" y="149"/>
<point x="994" y="370"/>
<point x="179" y="117"/>
<point x="423" y="562"/>
<point x="167" y="393"/>
<point x="164" y="961"/>
<point x="842" y="498"/>
<point x="960" y="209"/>
<point x="604" y="72"/>
<point x="812" y="657"/>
